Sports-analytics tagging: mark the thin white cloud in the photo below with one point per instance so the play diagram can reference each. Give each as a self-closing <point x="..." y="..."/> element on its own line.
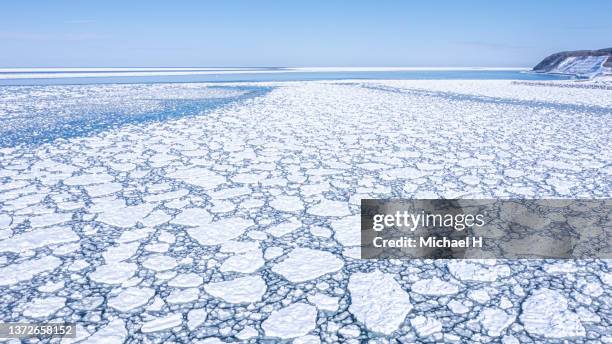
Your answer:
<point x="37" y="36"/>
<point x="79" y="21"/>
<point x="490" y="45"/>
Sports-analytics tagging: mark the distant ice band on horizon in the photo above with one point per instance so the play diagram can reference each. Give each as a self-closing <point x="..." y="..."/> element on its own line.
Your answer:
<point x="53" y="73"/>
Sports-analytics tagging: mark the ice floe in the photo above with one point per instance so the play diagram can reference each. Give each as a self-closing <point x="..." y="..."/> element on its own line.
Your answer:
<point x="303" y="264"/>
<point x="131" y="298"/>
<point x="114" y="332"/>
<point x="330" y="208"/>
<point x="162" y="323"/>
<point x="26" y="270"/>
<point x="425" y="326"/>
<point x="240" y="290"/>
<point x="116" y="273"/>
<point x="495" y="321"/>
<point x="38" y="238"/>
<point x="219" y="232"/>
<point x="292" y="321"/>
<point x="434" y="286"/>
<point x="200" y="177"/>
<point x="545" y="313"/>
<point x="378" y="301"/>
<point x="45" y="307"/>
<point x="287" y="203"/>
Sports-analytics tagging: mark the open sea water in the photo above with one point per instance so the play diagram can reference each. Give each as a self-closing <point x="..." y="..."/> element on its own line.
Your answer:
<point x="273" y="74"/>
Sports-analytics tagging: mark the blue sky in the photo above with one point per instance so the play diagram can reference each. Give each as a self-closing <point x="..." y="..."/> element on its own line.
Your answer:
<point x="291" y="33"/>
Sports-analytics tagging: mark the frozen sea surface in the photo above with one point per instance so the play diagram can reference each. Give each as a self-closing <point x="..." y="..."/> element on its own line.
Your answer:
<point x="227" y="213"/>
<point x="69" y="111"/>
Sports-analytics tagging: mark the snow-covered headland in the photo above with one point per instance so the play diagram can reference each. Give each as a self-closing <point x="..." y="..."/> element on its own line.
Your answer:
<point x="581" y="63"/>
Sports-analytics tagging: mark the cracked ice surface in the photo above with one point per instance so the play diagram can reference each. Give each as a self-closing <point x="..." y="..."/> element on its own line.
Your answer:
<point x="238" y="220"/>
